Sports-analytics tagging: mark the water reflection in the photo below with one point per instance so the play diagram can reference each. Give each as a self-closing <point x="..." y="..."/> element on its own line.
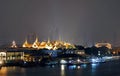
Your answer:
<point x="72" y="67"/>
<point x="12" y="71"/>
<point x="94" y="65"/>
<point x="62" y="67"/>
<point x="94" y="68"/>
<point x="62" y="70"/>
<point x="3" y="71"/>
<point x="84" y="66"/>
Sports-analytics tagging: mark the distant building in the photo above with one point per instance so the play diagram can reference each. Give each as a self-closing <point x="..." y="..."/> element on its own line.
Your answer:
<point x="80" y="52"/>
<point x="11" y="55"/>
<point x="116" y="50"/>
<point x="108" y="45"/>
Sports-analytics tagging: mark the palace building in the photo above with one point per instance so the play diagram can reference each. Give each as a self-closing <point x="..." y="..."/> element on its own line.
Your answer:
<point x="108" y="45"/>
<point x="50" y="45"/>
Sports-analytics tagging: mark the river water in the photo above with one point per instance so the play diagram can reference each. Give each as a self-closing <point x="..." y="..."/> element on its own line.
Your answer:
<point x="99" y="69"/>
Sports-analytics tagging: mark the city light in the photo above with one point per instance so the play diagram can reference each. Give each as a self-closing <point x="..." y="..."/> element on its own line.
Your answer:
<point x="1" y="62"/>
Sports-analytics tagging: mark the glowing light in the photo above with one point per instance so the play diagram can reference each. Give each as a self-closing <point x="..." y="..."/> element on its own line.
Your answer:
<point x="51" y="45"/>
<point x="114" y="52"/>
<point x="36" y="43"/>
<point x="63" y="61"/>
<point x="78" y="60"/>
<point x="1" y="62"/>
<point x="93" y="60"/>
<point x="26" y="44"/>
<point x="62" y="70"/>
<point x="14" y="44"/>
<point x="78" y="67"/>
<point x="108" y="45"/>
<point x="3" y="71"/>
<point x="62" y="67"/>
<point x="2" y="53"/>
<point x="94" y="65"/>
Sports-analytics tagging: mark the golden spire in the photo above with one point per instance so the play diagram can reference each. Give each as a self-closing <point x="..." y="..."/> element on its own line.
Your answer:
<point x="36" y="40"/>
<point x="36" y="43"/>
<point x="26" y="44"/>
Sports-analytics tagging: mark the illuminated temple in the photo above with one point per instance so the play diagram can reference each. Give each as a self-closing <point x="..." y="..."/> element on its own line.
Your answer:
<point x="50" y="45"/>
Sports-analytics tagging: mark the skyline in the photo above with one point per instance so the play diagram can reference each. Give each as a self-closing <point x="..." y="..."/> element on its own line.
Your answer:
<point x="78" y="22"/>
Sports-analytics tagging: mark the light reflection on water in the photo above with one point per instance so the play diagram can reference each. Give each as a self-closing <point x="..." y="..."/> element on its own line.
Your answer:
<point x="62" y="70"/>
<point x="3" y="71"/>
<point x="9" y="71"/>
<point x="103" y="69"/>
<point x="94" y="68"/>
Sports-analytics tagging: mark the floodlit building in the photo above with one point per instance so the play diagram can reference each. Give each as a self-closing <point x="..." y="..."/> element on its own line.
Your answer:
<point x="36" y="44"/>
<point x="108" y="45"/>
<point x="50" y="45"/>
<point x="26" y="44"/>
<point x="11" y="54"/>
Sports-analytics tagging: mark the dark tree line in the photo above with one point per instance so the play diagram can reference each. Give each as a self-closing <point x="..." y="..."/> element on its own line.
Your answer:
<point x="102" y="51"/>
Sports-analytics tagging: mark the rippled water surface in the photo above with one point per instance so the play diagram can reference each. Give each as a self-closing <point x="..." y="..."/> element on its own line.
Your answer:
<point x="103" y="69"/>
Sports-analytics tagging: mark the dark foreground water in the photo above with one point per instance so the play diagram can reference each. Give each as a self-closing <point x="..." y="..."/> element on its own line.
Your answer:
<point x="102" y="69"/>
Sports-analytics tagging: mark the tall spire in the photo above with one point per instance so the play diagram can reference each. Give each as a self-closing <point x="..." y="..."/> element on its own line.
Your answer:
<point x="26" y="41"/>
<point x="36" y="40"/>
<point x="14" y="44"/>
<point x="36" y="43"/>
<point x="26" y="44"/>
<point x="48" y="40"/>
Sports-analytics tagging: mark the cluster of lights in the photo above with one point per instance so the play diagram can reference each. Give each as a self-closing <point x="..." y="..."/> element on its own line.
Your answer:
<point x="14" y="44"/>
<point x="51" y="45"/>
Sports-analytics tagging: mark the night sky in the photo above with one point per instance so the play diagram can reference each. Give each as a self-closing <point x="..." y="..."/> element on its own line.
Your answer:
<point x="83" y="22"/>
